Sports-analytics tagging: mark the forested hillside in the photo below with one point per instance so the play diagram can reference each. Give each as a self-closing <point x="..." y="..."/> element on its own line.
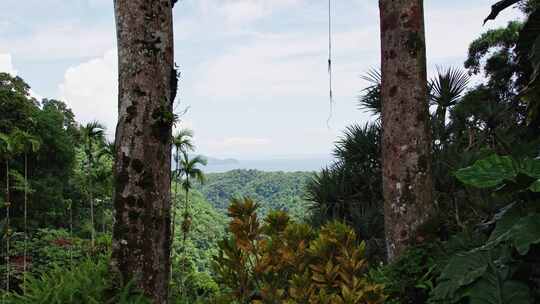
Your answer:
<point x="272" y="190"/>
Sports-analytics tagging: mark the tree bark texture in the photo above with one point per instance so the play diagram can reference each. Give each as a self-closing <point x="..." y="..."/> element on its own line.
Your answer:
<point x="142" y="202"/>
<point x="407" y="181"/>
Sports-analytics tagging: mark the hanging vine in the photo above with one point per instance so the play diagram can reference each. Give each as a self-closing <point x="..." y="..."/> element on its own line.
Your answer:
<point x="330" y="85"/>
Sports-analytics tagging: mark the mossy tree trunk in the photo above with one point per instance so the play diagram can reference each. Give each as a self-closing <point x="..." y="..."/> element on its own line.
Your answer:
<point x="142" y="199"/>
<point x="407" y="181"/>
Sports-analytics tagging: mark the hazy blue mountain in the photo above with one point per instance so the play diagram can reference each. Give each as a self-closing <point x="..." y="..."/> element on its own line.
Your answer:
<point x="292" y="164"/>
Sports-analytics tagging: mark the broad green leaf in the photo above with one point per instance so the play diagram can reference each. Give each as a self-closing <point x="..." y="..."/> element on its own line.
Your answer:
<point x="461" y="271"/>
<point x="495" y="288"/>
<point x="522" y="232"/>
<point x="495" y="170"/>
<point x="488" y="172"/>
<point x="535" y="187"/>
<point x="526" y="233"/>
<point x="531" y="167"/>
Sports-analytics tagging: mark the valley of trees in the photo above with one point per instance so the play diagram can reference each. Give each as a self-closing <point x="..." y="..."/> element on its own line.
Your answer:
<point x="435" y="200"/>
<point x="272" y="190"/>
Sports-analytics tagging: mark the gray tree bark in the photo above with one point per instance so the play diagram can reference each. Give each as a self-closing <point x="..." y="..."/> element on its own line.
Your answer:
<point x="407" y="180"/>
<point x="147" y="87"/>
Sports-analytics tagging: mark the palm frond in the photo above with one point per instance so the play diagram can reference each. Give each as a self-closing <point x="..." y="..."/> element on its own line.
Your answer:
<point x="93" y="130"/>
<point x="448" y="86"/>
<point x="182" y="140"/>
<point x="189" y="169"/>
<point x="25" y="142"/>
<point x="370" y="98"/>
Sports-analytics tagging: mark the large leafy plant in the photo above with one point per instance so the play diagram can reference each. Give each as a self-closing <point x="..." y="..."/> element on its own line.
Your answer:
<point x="503" y="269"/>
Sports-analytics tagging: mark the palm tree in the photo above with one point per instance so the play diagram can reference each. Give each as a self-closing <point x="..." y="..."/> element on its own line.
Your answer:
<point x="8" y="149"/>
<point x="445" y="91"/>
<point x="91" y="134"/>
<point x="105" y="157"/>
<point x="189" y="169"/>
<point x="27" y="144"/>
<point x="182" y="142"/>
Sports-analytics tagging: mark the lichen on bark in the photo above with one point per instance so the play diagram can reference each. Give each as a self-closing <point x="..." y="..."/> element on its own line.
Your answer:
<point x="143" y="160"/>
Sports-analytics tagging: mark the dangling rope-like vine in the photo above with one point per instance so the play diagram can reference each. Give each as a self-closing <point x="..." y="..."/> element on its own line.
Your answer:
<point x="331" y="94"/>
<point x="8" y="229"/>
<point x="25" y="219"/>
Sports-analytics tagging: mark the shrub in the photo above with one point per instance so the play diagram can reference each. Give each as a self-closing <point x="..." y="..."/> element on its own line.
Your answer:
<point x="280" y="261"/>
<point x="86" y="283"/>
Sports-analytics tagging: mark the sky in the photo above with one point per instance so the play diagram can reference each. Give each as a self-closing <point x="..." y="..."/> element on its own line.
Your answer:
<point x="254" y="72"/>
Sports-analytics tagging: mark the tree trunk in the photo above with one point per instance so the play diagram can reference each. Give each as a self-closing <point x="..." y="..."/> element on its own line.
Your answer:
<point x="142" y="198"/>
<point x="90" y="185"/>
<point x="174" y="207"/>
<point x="407" y="183"/>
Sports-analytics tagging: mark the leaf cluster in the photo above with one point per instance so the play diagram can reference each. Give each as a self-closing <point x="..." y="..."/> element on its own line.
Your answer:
<point x="280" y="261"/>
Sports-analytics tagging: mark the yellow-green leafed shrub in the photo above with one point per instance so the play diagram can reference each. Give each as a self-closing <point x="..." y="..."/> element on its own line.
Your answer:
<point x="279" y="261"/>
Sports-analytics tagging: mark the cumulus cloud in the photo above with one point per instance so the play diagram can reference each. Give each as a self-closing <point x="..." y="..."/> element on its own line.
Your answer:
<point x="6" y="65"/>
<point x="91" y="90"/>
<point x="61" y="41"/>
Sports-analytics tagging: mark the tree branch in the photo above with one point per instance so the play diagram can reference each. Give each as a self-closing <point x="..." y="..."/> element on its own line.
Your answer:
<point x="499" y="7"/>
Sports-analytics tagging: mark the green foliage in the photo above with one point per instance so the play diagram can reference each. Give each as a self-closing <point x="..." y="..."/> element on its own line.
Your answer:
<point x="504" y="38"/>
<point x="273" y="190"/>
<point x="493" y="272"/>
<point x="528" y="51"/>
<point x="351" y="189"/>
<point x="370" y="100"/>
<point x="86" y="283"/>
<point x="280" y="261"/>
<point x="192" y="278"/>
<point x="497" y="170"/>
<point x="411" y="278"/>
<point x="476" y="276"/>
<point x="49" y="248"/>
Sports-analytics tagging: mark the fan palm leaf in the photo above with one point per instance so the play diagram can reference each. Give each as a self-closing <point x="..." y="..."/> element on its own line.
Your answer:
<point x="448" y="86"/>
<point x="370" y="98"/>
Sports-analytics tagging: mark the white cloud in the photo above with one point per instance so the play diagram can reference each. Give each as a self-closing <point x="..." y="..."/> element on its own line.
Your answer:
<point x="91" y="90"/>
<point x="288" y="65"/>
<point x="62" y="41"/>
<point x="294" y="64"/>
<point x="238" y="12"/>
<point x="450" y="31"/>
<point x="6" y="65"/>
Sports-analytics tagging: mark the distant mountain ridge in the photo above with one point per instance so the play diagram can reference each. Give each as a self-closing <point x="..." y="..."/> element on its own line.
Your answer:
<point x="285" y="164"/>
<point x="212" y="161"/>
